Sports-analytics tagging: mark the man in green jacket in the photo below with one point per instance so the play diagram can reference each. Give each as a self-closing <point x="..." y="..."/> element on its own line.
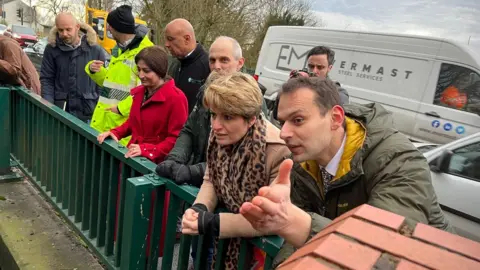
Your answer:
<point x="118" y="76"/>
<point x="344" y="157"/>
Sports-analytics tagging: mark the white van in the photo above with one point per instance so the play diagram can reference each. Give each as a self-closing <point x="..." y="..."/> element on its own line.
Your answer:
<point x="431" y="85"/>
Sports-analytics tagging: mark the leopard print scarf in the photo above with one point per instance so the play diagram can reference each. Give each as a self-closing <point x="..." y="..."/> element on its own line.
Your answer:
<point x="237" y="173"/>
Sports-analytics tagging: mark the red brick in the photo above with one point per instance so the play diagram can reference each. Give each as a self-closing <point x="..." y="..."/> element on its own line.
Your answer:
<point x="305" y="263"/>
<point x="347" y="253"/>
<point x="407" y="265"/>
<point x="405" y="247"/>
<point x="447" y="240"/>
<point x="375" y="215"/>
<point x="340" y="251"/>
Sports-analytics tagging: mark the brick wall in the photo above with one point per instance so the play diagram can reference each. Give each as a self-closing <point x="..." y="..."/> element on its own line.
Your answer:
<point x="372" y="238"/>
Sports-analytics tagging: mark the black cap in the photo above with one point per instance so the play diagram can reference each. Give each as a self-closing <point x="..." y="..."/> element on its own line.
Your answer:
<point x="122" y="20"/>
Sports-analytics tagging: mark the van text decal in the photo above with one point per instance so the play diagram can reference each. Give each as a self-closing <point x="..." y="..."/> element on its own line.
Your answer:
<point x="288" y="54"/>
<point x="364" y="71"/>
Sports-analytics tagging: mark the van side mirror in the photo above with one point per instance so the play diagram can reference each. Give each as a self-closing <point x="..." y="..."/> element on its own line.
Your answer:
<point x="473" y="78"/>
<point x="442" y="163"/>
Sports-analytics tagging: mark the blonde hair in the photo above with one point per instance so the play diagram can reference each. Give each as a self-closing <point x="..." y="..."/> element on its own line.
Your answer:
<point x="234" y="94"/>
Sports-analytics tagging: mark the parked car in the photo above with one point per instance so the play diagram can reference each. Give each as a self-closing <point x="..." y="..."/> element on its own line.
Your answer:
<point x="3" y="28"/>
<point x="35" y="53"/>
<point x="455" y="170"/>
<point x="24" y="35"/>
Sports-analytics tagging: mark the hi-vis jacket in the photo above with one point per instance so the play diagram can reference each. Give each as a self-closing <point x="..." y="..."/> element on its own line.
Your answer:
<point x="118" y="78"/>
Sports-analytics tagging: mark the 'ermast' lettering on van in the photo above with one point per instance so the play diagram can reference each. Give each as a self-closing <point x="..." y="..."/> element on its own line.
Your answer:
<point x="366" y="68"/>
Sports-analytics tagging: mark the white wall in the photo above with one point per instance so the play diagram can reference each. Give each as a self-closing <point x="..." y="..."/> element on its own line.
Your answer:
<point x="28" y="19"/>
<point x="11" y="13"/>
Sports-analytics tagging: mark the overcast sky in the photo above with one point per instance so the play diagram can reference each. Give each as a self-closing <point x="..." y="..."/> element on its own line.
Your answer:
<point x="454" y="19"/>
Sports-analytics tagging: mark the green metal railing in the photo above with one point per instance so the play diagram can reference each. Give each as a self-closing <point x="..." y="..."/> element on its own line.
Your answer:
<point x="116" y="205"/>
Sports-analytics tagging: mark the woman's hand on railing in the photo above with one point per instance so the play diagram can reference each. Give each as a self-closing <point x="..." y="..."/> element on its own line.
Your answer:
<point x="133" y="151"/>
<point x="198" y="221"/>
<point x="190" y="222"/>
<point x="102" y="136"/>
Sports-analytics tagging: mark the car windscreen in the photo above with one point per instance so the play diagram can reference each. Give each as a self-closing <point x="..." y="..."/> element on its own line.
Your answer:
<point x="23" y="30"/>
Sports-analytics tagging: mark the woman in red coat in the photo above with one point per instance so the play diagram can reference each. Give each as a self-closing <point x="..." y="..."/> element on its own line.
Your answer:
<point x="159" y="109"/>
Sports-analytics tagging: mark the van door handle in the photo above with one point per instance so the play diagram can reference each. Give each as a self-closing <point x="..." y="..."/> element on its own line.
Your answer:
<point x="433" y="114"/>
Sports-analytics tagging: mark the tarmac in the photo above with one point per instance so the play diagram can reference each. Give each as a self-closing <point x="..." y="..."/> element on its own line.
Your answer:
<point x="33" y="236"/>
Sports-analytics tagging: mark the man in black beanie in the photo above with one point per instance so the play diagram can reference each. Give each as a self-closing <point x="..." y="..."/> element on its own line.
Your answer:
<point x="121" y="24"/>
<point x="117" y="76"/>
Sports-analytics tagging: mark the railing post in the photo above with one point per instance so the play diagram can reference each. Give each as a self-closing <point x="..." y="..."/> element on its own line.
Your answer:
<point x="6" y="174"/>
<point x="135" y="223"/>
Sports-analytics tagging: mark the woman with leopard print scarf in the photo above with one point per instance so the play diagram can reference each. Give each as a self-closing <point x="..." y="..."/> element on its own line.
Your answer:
<point x="244" y="154"/>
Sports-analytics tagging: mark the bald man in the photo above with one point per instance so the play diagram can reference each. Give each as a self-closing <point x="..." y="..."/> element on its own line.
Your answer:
<point x="71" y="45"/>
<point x="190" y="67"/>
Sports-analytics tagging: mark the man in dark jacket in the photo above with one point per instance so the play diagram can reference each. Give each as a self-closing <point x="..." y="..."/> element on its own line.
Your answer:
<point x="71" y="45"/>
<point x="344" y="157"/>
<point x="190" y="67"/>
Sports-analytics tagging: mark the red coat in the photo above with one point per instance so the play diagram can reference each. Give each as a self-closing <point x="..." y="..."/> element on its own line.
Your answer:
<point x="156" y="124"/>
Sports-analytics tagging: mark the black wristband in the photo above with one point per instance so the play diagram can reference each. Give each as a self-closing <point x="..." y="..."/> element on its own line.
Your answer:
<point x="208" y="222"/>
<point x="199" y="207"/>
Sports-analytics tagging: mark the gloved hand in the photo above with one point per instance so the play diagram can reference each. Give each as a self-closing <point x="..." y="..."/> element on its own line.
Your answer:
<point x="181" y="174"/>
<point x="189" y="174"/>
<point x="165" y="168"/>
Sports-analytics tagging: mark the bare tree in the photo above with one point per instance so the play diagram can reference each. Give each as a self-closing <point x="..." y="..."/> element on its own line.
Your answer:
<point x="210" y="18"/>
<point x="280" y="12"/>
<point x="106" y="5"/>
<point x="53" y="7"/>
<point x="245" y="20"/>
<point x="136" y="5"/>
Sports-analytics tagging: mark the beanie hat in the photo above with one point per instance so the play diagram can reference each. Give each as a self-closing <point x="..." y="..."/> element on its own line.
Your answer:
<point x="122" y="20"/>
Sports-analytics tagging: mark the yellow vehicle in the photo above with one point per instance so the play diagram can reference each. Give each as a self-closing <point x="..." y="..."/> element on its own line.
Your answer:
<point x="98" y="20"/>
